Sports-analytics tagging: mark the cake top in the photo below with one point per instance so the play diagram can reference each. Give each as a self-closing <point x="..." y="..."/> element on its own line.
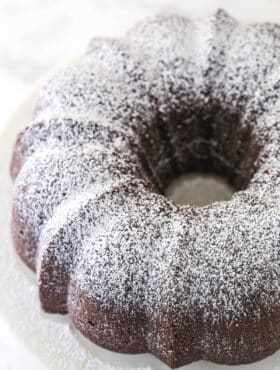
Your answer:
<point x="198" y="89"/>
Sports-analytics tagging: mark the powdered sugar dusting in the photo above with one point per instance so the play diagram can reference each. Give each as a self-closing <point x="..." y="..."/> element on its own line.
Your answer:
<point x="111" y="132"/>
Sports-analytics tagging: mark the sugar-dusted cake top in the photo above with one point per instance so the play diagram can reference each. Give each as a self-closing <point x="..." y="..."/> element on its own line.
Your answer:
<point x="109" y="134"/>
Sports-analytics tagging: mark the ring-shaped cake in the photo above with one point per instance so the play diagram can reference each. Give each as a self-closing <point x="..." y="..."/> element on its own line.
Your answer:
<point x="136" y="272"/>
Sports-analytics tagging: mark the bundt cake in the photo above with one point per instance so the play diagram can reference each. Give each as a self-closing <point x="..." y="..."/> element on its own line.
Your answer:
<point x="136" y="272"/>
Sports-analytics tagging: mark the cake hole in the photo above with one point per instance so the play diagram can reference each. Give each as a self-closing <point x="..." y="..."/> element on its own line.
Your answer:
<point x="199" y="189"/>
<point x="211" y="138"/>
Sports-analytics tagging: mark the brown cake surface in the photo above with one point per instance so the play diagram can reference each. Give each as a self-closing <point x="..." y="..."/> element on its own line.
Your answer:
<point x="136" y="272"/>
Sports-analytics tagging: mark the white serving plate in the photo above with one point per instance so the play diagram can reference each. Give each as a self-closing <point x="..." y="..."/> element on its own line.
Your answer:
<point x="50" y="341"/>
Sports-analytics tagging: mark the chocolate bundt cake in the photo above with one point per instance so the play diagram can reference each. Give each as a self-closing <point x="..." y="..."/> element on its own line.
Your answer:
<point x="136" y="272"/>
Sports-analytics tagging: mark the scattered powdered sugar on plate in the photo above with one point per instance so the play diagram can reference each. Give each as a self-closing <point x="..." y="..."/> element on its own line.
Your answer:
<point x="199" y="189"/>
